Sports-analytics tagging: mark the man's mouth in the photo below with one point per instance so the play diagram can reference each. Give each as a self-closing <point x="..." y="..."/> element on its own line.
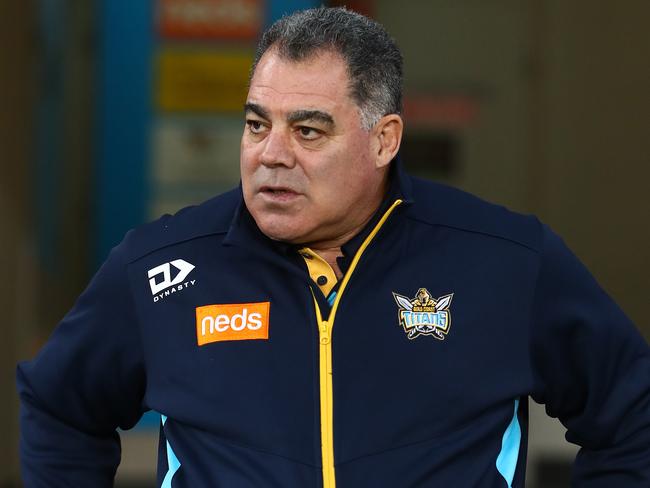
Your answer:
<point x="278" y="193"/>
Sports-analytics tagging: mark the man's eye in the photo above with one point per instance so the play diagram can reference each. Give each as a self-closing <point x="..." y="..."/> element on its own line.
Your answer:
<point x="309" y="133"/>
<point x="255" y="126"/>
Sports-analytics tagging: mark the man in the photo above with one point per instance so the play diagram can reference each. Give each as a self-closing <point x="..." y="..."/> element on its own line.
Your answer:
<point x="335" y="322"/>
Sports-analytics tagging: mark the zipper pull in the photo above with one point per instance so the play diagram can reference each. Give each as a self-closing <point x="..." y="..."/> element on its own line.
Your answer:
<point x="324" y="333"/>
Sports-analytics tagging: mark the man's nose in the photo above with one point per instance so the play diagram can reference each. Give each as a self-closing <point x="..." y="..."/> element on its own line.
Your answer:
<point x="277" y="149"/>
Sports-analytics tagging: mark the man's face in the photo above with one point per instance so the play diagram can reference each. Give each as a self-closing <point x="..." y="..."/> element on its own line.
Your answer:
<point x="307" y="166"/>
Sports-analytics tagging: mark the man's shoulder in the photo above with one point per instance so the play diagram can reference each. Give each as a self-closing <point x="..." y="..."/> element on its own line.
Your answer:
<point x="443" y="205"/>
<point x="211" y="217"/>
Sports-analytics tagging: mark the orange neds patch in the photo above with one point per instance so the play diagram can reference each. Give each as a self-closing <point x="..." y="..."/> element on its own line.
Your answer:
<point x="232" y="322"/>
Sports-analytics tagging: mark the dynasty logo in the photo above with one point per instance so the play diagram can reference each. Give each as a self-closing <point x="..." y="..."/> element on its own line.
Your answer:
<point x="424" y="315"/>
<point x="161" y="282"/>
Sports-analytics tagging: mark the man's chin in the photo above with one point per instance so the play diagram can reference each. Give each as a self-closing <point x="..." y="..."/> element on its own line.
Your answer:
<point x="281" y="231"/>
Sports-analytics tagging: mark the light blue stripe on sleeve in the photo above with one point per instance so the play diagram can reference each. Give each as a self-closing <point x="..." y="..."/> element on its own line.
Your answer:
<point x="172" y="462"/>
<point x="507" y="459"/>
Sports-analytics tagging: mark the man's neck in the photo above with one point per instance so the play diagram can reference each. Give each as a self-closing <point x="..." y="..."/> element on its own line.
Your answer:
<point x="330" y="256"/>
<point x="330" y="250"/>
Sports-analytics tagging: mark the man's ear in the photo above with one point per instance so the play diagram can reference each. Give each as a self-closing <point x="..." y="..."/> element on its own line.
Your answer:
<point x="388" y="132"/>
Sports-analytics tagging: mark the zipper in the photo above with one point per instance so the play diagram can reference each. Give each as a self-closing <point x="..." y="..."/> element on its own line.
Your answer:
<point x="325" y="360"/>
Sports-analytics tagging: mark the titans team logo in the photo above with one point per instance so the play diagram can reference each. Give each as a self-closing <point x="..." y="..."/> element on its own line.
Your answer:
<point x="424" y="315"/>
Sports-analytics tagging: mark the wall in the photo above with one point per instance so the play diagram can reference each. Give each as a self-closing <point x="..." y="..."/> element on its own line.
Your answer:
<point x="592" y="150"/>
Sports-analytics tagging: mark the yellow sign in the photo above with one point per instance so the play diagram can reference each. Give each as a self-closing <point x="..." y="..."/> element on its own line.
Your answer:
<point x="199" y="81"/>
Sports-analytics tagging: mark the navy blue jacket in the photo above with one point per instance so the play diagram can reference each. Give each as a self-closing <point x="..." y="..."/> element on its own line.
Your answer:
<point x="452" y="313"/>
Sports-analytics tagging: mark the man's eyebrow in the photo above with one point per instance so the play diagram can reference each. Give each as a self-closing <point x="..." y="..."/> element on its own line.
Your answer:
<point x="293" y="117"/>
<point x="256" y="109"/>
<point x="316" y="115"/>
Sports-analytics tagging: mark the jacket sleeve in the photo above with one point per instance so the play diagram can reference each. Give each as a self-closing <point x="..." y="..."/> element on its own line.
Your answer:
<point x="86" y="381"/>
<point x="592" y="371"/>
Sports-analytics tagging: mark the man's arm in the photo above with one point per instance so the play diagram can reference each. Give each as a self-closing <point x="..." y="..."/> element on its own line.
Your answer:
<point x="85" y="382"/>
<point x="592" y="372"/>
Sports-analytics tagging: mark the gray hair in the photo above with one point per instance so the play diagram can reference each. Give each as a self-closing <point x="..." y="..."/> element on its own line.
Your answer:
<point x="373" y="59"/>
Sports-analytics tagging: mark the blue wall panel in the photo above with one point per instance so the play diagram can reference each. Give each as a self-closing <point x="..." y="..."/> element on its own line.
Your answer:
<point x="278" y="8"/>
<point x="124" y="119"/>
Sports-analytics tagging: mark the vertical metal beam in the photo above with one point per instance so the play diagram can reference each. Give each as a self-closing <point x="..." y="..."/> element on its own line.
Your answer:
<point x="49" y="133"/>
